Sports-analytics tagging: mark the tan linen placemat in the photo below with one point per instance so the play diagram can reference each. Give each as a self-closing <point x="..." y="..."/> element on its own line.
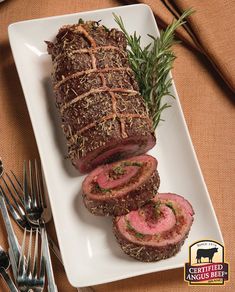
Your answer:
<point x="209" y="111"/>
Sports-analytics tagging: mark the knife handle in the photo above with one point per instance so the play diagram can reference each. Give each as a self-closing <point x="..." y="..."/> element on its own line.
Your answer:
<point x="12" y="239"/>
<point x="8" y="280"/>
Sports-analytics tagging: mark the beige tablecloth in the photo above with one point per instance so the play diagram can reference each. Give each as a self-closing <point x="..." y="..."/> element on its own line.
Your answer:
<point x="207" y="101"/>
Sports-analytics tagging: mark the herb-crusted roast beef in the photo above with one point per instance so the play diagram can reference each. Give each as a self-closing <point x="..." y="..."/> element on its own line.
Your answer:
<point x="104" y="117"/>
<point x="117" y="188"/>
<point x="157" y="230"/>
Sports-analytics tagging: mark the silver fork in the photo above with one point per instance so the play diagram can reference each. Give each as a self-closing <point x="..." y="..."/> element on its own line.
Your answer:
<point x="4" y="265"/>
<point x="35" y="208"/>
<point x="34" y="202"/>
<point x="14" y="189"/>
<point x="31" y="271"/>
<point x="16" y="207"/>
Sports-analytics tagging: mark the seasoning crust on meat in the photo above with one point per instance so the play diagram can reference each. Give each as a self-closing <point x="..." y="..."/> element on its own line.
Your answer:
<point x="104" y="117"/>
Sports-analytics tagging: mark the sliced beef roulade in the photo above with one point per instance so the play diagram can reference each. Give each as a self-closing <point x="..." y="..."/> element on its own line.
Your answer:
<point x="117" y="188"/>
<point x="104" y="117"/>
<point x="157" y="230"/>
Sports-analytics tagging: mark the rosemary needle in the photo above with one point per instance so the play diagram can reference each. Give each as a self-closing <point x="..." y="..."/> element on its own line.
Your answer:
<point x="152" y="64"/>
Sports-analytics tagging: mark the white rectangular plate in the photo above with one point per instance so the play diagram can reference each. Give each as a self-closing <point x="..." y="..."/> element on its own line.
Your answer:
<point x="90" y="253"/>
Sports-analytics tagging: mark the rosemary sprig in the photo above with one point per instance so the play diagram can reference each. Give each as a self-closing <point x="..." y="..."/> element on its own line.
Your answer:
<point x="152" y="65"/>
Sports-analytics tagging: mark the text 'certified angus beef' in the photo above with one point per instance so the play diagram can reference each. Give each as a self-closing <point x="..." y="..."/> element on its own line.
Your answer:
<point x="104" y="118"/>
<point x="118" y="188"/>
<point x="157" y="230"/>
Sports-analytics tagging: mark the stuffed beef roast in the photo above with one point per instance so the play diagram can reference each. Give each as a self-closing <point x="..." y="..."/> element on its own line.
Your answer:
<point x="157" y="230"/>
<point x="119" y="187"/>
<point x="104" y="117"/>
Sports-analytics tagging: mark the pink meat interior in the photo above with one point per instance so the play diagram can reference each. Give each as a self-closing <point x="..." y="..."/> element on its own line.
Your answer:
<point x="165" y="221"/>
<point x="173" y="224"/>
<point x="148" y="166"/>
<point x="181" y="201"/>
<point x="115" y="151"/>
<point x="106" y="182"/>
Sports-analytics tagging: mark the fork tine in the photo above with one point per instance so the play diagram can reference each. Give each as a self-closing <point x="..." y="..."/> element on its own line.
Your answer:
<point x="28" y="277"/>
<point x="5" y="197"/>
<point x="29" y="254"/>
<point x="35" y="258"/>
<point x="30" y="176"/>
<point x="16" y="213"/>
<point x="42" y="260"/>
<point x="32" y="184"/>
<point x="38" y="185"/>
<point x="14" y="187"/>
<point x="25" y="186"/>
<point x="27" y="198"/>
<point x="22" y="263"/>
<point x="17" y="181"/>
<point x="13" y="196"/>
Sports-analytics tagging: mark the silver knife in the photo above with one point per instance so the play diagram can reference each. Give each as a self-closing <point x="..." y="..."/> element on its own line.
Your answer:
<point x="13" y="263"/>
<point x="12" y="240"/>
<point x="47" y="257"/>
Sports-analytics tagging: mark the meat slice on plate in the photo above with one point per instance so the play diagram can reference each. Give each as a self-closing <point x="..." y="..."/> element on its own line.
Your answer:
<point x="157" y="230"/>
<point x="104" y="117"/>
<point x="119" y="187"/>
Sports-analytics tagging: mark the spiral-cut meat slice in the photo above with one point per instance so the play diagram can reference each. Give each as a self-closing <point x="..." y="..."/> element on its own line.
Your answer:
<point x="157" y="230"/>
<point x="123" y="176"/>
<point x="120" y="187"/>
<point x="104" y="117"/>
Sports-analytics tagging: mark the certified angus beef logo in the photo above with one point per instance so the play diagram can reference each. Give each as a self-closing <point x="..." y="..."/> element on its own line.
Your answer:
<point x="206" y="264"/>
